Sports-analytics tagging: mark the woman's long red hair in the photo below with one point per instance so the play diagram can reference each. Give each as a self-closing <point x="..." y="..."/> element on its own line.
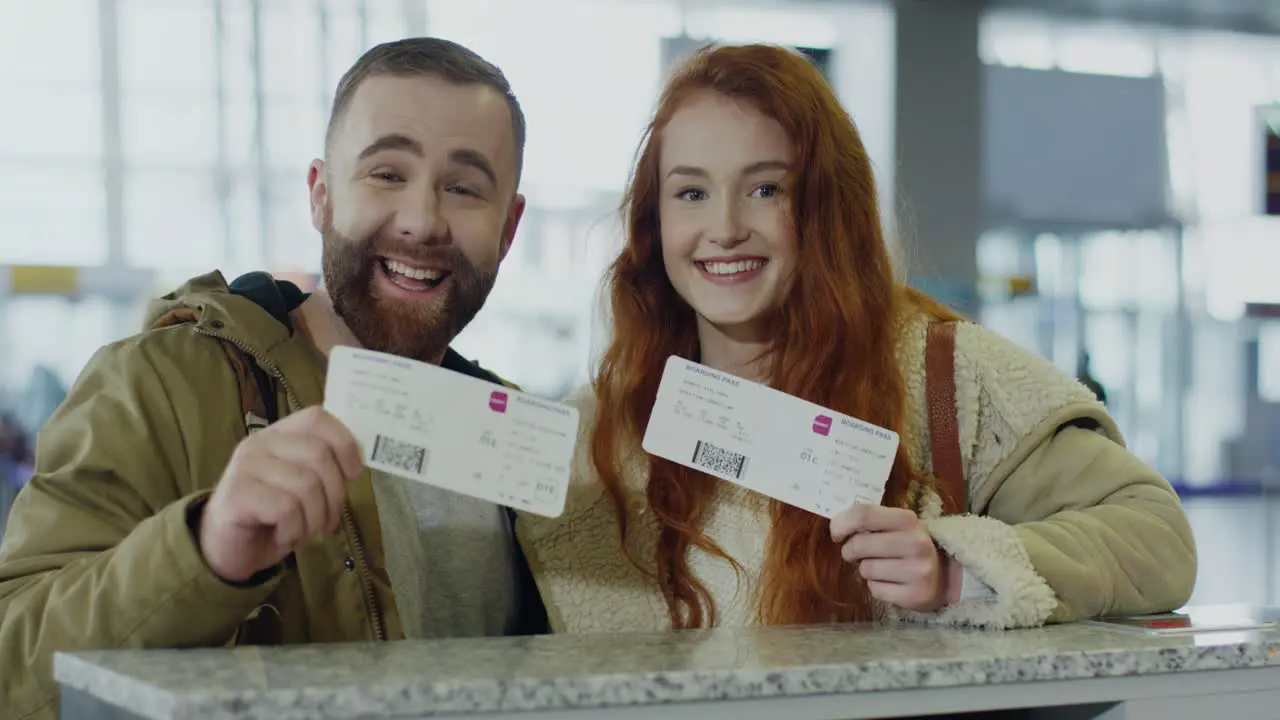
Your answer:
<point x="835" y="343"/>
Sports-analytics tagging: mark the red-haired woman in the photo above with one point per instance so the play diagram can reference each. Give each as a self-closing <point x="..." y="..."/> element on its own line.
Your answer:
<point x="754" y="247"/>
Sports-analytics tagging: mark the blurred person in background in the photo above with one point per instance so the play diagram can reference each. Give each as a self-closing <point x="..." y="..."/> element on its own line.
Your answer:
<point x="14" y="447"/>
<point x="15" y="463"/>
<point x="1084" y="373"/>
<point x="754" y="247"/>
<point x="168" y="510"/>
<point x="41" y="395"/>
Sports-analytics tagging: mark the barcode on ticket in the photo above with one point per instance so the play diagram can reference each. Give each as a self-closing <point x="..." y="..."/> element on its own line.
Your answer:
<point x="719" y="460"/>
<point x="400" y="455"/>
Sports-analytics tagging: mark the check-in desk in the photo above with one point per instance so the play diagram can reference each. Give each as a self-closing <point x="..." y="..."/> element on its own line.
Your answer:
<point x="1063" y="672"/>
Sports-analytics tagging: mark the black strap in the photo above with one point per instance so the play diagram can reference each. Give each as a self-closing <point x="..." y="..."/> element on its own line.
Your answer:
<point x="278" y="298"/>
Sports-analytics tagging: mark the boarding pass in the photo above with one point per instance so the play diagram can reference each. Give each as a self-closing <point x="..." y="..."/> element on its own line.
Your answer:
<point x="425" y="423"/>
<point x="768" y="441"/>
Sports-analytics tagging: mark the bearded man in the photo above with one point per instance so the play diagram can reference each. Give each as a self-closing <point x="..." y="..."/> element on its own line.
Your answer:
<point x="191" y="491"/>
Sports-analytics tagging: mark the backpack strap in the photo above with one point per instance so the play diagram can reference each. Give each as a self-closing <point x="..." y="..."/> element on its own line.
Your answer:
<point x="258" y="400"/>
<point x="944" y="436"/>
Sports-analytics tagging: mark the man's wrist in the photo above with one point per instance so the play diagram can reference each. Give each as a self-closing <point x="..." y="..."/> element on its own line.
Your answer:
<point x="195" y="518"/>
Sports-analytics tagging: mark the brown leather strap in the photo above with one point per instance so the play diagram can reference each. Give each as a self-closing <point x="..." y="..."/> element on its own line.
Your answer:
<point x="252" y="403"/>
<point x="944" y="437"/>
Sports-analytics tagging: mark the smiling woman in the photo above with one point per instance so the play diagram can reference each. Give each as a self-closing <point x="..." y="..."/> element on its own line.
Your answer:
<point x="754" y="247"/>
<point x="725" y="211"/>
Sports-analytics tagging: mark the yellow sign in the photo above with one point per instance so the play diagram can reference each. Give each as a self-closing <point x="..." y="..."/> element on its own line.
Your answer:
<point x="43" y="279"/>
<point x="1021" y="285"/>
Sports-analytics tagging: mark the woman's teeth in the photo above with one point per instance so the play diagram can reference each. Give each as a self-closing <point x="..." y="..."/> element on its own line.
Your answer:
<point x="732" y="267"/>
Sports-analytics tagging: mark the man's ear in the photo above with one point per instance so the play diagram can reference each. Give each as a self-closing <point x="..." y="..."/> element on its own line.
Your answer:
<point x="319" y="191"/>
<point x="513" y="222"/>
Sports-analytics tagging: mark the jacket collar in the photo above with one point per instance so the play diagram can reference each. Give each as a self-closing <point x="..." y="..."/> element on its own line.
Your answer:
<point x="220" y="311"/>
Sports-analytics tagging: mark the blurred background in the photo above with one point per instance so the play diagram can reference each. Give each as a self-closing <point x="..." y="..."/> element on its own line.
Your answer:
<point x="1097" y="179"/>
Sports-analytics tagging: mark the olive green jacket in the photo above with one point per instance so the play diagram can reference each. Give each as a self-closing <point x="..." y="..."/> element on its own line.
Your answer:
<point x="99" y="552"/>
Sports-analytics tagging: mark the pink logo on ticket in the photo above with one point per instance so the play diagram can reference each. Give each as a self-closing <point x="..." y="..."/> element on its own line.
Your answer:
<point x="498" y="401"/>
<point x="822" y="425"/>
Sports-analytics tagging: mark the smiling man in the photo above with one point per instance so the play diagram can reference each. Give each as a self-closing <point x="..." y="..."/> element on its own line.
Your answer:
<point x="191" y="491"/>
<point x="417" y="203"/>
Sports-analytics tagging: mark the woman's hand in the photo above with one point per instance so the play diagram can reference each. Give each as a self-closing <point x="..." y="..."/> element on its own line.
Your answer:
<point x="896" y="556"/>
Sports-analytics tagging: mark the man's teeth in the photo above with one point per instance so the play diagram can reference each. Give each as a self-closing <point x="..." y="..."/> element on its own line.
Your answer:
<point x="733" y="267"/>
<point x="400" y="268"/>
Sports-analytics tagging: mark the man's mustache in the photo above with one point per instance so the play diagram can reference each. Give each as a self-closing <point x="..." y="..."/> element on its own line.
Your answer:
<point x="443" y="257"/>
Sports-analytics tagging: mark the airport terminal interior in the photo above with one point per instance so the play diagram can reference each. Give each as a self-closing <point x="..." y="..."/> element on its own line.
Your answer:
<point x="1099" y="181"/>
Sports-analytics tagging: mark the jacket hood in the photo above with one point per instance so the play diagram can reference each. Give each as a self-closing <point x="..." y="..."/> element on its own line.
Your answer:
<point x="253" y="311"/>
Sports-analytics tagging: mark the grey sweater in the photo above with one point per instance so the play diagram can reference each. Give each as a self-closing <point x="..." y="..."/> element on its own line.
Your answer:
<point x="452" y="561"/>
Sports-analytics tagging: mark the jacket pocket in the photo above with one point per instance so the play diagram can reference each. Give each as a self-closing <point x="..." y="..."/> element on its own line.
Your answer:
<point x="264" y="626"/>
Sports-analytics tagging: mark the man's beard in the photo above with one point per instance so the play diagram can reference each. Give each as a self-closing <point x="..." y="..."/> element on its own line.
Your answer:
<point x="421" y="331"/>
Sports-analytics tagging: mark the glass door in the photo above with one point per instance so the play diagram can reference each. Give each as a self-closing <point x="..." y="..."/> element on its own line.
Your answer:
<point x="1106" y="309"/>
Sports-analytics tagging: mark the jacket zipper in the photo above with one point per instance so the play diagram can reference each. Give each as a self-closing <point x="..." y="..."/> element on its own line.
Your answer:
<point x="348" y="517"/>
<point x="370" y="596"/>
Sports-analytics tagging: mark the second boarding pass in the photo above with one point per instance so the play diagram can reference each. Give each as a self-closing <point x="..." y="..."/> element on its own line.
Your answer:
<point x="768" y="441"/>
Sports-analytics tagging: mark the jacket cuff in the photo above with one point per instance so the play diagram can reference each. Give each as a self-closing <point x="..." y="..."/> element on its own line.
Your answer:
<point x="992" y="553"/>
<point x="195" y="606"/>
<point x="184" y="542"/>
<point x="195" y="510"/>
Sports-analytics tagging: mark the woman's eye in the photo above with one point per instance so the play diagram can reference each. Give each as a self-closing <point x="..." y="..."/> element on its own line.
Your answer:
<point x="692" y="195"/>
<point x="766" y="191"/>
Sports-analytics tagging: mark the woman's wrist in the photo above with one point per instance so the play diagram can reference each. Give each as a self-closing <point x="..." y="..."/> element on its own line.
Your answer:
<point x="953" y="578"/>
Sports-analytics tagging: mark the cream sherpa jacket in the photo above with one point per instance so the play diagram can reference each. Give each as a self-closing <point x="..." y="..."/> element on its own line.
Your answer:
<point x="1064" y="522"/>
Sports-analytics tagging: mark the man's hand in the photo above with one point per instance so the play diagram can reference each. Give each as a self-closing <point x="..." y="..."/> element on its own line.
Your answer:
<point x="896" y="556"/>
<point x="285" y="484"/>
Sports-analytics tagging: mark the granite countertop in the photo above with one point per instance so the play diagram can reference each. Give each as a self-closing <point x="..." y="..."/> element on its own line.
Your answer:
<point x="597" y="671"/>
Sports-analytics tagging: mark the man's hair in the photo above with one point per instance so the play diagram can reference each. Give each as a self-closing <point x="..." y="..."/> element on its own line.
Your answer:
<point x="428" y="56"/>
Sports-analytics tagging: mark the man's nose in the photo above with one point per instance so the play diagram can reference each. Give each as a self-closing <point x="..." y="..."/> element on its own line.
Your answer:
<point x="419" y="220"/>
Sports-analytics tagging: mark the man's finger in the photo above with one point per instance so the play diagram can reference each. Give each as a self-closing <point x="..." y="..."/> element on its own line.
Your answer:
<point x="316" y="455"/>
<point x="330" y="429"/>
<point x="261" y="504"/>
<point x="305" y="485"/>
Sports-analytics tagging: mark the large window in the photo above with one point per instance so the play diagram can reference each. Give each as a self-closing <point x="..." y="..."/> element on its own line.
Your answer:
<point x="1215" y="84"/>
<point x="52" y="196"/>
<point x="587" y="86"/>
<point x="204" y="115"/>
<point x="53" y="213"/>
